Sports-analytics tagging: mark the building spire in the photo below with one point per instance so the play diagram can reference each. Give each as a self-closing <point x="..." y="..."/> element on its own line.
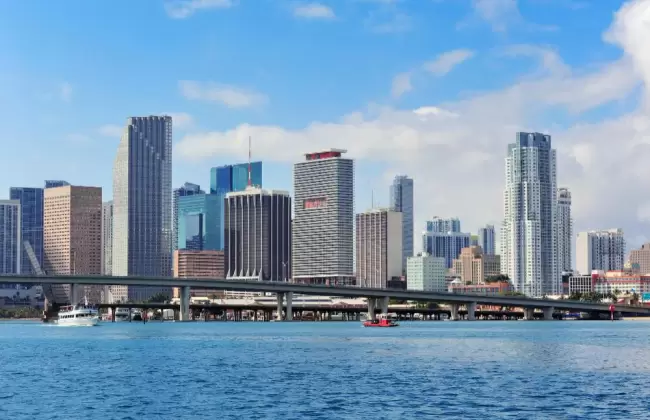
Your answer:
<point x="250" y="182"/>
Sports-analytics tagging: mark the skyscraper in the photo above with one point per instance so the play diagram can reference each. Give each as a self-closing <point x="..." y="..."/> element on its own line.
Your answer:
<point x="528" y="236"/>
<point x="401" y="199"/>
<point x="107" y="238"/>
<point x="443" y="238"/>
<point x="142" y="204"/>
<point x="486" y="239"/>
<point x="199" y="222"/>
<point x="56" y="183"/>
<point x="323" y="235"/>
<point x="600" y="250"/>
<point x="72" y="224"/>
<point x="379" y="247"/>
<point x="564" y="229"/>
<point x="186" y="190"/>
<point x="10" y="237"/>
<point x="258" y="235"/>
<point x="31" y="223"/>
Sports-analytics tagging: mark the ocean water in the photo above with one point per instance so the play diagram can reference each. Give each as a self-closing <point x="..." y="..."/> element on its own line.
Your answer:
<point x="335" y="370"/>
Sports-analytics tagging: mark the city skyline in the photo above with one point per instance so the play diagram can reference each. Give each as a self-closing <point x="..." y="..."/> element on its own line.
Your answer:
<point x="457" y="131"/>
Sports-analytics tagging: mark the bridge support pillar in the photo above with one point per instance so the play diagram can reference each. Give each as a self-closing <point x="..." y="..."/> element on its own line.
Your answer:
<point x="529" y="314"/>
<point x="75" y="294"/>
<point x="184" y="313"/>
<point x="371" y="309"/>
<point x="280" y="301"/>
<point x="384" y="305"/>
<point x="471" y="311"/>
<point x="454" y="311"/>
<point x="289" y="299"/>
<point x="548" y="313"/>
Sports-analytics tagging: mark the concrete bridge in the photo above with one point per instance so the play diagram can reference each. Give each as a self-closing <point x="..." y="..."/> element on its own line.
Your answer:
<point x="377" y="298"/>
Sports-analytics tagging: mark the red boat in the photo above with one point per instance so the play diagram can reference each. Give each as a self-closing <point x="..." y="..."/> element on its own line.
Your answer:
<point x="384" y="322"/>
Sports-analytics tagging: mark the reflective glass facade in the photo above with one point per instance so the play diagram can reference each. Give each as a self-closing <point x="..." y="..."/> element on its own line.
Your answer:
<point x="233" y="178"/>
<point x="401" y="199"/>
<point x="31" y="224"/>
<point x="10" y="232"/>
<point x="199" y="222"/>
<point x="187" y="189"/>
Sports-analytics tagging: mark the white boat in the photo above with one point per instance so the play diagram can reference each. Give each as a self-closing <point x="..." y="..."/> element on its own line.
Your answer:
<point x="78" y="316"/>
<point x="122" y="314"/>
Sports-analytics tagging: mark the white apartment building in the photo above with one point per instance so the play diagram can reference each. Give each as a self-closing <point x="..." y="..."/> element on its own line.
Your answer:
<point x="600" y="250"/>
<point x="564" y="229"/>
<point x="379" y="247"/>
<point x="426" y="273"/>
<point x="529" y="231"/>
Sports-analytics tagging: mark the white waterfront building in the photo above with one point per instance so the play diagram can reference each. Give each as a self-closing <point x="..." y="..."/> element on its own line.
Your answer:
<point x="600" y="250"/>
<point x="426" y="273"/>
<point x="529" y="231"/>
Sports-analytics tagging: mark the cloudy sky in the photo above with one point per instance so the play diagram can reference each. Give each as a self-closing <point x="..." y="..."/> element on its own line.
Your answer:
<point x="434" y="89"/>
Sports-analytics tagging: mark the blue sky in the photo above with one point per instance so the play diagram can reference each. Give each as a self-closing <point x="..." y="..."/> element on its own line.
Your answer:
<point x="299" y="76"/>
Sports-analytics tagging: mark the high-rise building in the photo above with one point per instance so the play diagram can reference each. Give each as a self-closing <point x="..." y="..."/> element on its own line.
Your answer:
<point x="142" y="204"/>
<point x="199" y="222"/>
<point x="426" y="273"/>
<point x="31" y="223"/>
<point x="258" y="235"/>
<point x="379" y="247"/>
<point x="443" y="238"/>
<point x="323" y="232"/>
<point x="600" y="250"/>
<point x="486" y="239"/>
<point x="188" y="189"/>
<point x="72" y="224"/>
<point x="107" y="238"/>
<point x="233" y="178"/>
<point x="473" y="240"/>
<point x="199" y="265"/>
<point x="473" y="266"/>
<point x="564" y="230"/>
<point x="401" y="199"/>
<point x="640" y="259"/>
<point x="11" y="248"/>
<point x="528" y="235"/>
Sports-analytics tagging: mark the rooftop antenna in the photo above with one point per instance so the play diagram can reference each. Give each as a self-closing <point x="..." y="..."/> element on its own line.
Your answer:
<point x="250" y="182"/>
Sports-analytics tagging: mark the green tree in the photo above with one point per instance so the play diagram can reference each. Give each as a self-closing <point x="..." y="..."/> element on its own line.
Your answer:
<point x="158" y="298"/>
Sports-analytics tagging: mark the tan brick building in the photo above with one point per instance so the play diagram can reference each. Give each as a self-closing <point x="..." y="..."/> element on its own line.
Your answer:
<point x="642" y="258"/>
<point x="199" y="265"/>
<point x="473" y="266"/>
<point x="72" y="223"/>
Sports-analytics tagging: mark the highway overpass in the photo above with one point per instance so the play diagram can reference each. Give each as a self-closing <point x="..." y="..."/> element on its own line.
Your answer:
<point x="377" y="297"/>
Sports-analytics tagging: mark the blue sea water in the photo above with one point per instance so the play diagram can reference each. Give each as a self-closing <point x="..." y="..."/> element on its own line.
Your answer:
<point x="335" y="370"/>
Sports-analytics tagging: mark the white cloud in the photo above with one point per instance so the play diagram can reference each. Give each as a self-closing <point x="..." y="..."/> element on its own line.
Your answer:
<point x="181" y="9"/>
<point x="445" y="62"/>
<point x="65" y="92"/>
<point x="500" y="14"/>
<point x="462" y="144"/>
<point x="110" y="130"/>
<point x="314" y="11"/>
<point x="401" y="84"/>
<point x="230" y="96"/>
<point x="180" y="120"/>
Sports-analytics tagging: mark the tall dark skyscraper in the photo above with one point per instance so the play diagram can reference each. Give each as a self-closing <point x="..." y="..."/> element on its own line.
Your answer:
<point x="401" y="200"/>
<point x="258" y="235"/>
<point x="142" y="203"/>
<point x="31" y="226"/>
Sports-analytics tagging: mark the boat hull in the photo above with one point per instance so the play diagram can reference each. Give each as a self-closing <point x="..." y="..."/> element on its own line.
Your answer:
<point x="78" y="322"/>
<point x="379" y="325"/>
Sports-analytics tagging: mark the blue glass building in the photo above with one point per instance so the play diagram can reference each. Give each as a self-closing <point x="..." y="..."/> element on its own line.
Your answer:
<point x="186" y="190"/>
<point x="31" y="224"/>
<point x="199" y="222"/>
<point x="10" y="233"/>
<point x="443" y="238"/>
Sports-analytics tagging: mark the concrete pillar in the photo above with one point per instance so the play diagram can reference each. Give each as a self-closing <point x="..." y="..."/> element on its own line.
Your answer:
<point x="548" y="313"/>
<point x="384" y="305"/>
<point x="529" y="314"/>
<point x="454" y="311"/>
<point x="184" y="314"/>
<point x="371" y="309"/>
<point x="471" y="311"/>
<point x="289" y="299"/>
<point x="75" y="294"/>
<point x="280" y="297"/>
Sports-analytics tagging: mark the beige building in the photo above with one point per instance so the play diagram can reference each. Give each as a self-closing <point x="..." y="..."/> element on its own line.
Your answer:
<point x="72" y="224"/>
<point x="473" y="266"/>
<point x="199" y="265"/>
<point x="379" y="247"/>
<point x="642" y="258"/>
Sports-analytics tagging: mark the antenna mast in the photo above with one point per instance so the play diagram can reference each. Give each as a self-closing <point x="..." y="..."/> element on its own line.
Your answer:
<point x="250" y="182"/>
